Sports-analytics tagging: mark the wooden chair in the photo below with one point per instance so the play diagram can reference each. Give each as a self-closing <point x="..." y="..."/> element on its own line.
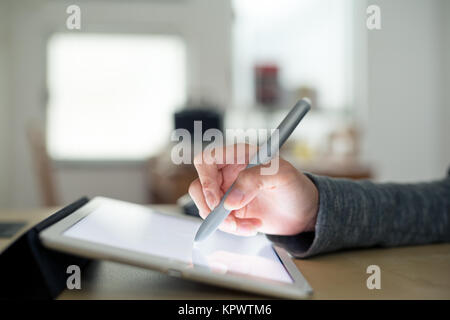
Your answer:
<point x="43" y="166"/>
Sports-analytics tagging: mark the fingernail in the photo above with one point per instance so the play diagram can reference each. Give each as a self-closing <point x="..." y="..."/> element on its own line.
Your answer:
<point x="210" y="199"/>
<point x="234" y="199"/>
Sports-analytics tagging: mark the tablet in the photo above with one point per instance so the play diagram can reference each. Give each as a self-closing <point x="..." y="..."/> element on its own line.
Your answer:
<point x="137" y="235"/>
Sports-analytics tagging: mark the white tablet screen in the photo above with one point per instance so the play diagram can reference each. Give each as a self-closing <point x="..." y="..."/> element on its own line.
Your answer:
<point x="140" y="229"/>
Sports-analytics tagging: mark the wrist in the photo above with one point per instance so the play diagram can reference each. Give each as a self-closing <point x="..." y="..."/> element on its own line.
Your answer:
<point x="313" y="210"/>
<point x="311" y="225"/>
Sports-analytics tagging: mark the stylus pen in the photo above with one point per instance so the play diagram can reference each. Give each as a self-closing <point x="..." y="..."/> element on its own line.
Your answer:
<point x="285" y="129"/>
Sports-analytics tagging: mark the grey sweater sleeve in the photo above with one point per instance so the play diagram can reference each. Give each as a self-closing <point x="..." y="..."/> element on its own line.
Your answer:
<point x="364" y="214"/>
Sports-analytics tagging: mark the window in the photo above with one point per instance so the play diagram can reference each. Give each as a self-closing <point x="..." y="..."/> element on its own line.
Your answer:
<point x="112" y="96"/>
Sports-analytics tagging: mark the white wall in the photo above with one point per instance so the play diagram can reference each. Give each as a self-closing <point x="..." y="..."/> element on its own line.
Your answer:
<point x="406" y="95"/>
<point x="206" y="27"/>
<point x="120" y="181"/>
<point x="5" y="149"/>
<point x="445" y="117"/>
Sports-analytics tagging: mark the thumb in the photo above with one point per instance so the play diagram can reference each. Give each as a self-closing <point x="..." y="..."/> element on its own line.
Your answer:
<point x="246" y="187"/>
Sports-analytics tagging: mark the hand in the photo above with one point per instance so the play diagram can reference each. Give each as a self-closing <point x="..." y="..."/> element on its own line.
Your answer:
<point x="285" y="203"/>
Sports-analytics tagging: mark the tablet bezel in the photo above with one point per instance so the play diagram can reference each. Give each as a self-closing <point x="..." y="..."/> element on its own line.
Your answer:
<point x="53" y="238"/>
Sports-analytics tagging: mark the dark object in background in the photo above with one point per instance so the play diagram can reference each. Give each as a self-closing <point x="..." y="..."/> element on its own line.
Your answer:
<point x="267" y="90"/>
<point x="187" y="204"/>
<point x="9" y="229"/>
<point x="210" y="119"/>
<point x="30" y="271"/>
<point x="168" y="181"/>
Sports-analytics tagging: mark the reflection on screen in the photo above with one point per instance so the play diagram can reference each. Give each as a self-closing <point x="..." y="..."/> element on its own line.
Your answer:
<point x="140" y="229"/>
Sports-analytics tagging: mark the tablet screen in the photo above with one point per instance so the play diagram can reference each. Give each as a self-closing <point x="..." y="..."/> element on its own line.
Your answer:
<point x="140" y="229"/>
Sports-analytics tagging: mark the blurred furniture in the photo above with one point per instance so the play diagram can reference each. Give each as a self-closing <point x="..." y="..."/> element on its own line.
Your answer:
<point x="42" y="165"/>
<point x="202" y="112"/>
<point x="340" y="159"/>
<point x="415" y="272"/>
<point x="168" y="181"/>
<point x="349" y="169"/>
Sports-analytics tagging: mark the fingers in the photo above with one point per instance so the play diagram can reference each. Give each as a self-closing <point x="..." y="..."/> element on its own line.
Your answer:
<point x="217" y="170"/>
<point x="195" y="191"/>
<point x="247" y="186"/>
<point x="247" y="227"/>
<point x="242" y="227"/>
<point x="229" y="224"/>
<point x="210" y="178"/>
<point x="209" y="165"/>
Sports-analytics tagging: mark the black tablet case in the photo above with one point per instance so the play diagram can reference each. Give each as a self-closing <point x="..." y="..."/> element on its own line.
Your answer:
<point x="30" y="271"/>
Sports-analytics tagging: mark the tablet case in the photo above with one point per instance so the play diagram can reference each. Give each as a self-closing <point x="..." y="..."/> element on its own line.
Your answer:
<point x="30" y="271"/>
<point x="9" y="229"/>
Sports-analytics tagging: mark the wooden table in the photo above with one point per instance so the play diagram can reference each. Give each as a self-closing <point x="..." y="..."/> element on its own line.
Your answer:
<point x="420" y="272"/>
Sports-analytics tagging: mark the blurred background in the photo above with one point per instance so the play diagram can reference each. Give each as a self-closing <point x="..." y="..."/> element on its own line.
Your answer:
<point x="90" y="111"/>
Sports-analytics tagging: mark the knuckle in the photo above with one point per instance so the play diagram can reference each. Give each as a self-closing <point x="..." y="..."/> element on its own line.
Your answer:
<point x="208" y="157"/>
<point x="250" y="177"/>
<point x="207" y="184"/>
